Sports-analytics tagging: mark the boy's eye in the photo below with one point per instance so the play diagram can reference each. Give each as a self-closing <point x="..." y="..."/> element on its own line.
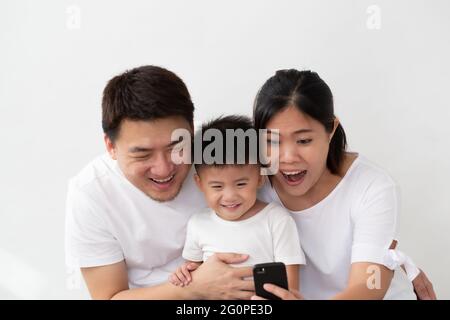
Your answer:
<point x="216" y="187"/>
<point x="241" y="184"/>
<point x="304" y="141"/>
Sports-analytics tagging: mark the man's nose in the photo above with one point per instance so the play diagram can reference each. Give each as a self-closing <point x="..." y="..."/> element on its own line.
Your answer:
<point x="162" y="166"/>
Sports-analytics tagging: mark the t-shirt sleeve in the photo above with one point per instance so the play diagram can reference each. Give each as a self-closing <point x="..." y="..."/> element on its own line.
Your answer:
<point x="286" y="242"/>
<point x="375" y="221"/>
<point x="192" y="250"/>
<point x="88" y="241"/>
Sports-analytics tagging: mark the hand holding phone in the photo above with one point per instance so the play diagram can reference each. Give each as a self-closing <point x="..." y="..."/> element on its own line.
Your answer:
<point x="274" y="273"/>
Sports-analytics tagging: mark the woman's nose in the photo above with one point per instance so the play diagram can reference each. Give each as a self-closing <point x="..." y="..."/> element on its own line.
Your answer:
<point x="288" y="153"/>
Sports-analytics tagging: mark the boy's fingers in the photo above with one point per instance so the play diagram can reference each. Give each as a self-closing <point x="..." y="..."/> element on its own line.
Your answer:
<point x="186" y="273"/>
<point x="180" y="275"/>
<point x="192" y="266"/>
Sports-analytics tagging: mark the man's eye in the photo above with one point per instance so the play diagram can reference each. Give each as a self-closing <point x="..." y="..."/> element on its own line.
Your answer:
<point x="143" y="157"/>
<point x="304" y="141"/>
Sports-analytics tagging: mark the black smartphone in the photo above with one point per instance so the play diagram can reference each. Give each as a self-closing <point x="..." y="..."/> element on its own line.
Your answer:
<point x="274" y="273"/>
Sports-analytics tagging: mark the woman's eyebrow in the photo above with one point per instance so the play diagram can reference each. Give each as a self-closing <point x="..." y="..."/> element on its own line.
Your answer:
<point x="303" y="131"/>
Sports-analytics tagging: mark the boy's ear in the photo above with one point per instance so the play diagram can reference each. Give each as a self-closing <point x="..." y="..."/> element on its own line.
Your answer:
<point x="197" y="181"/>
<point x="110" y="147"/>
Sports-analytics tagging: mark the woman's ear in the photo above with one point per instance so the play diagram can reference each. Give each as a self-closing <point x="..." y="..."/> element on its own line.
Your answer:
<point x="261" y="181"/>
<point x="335" y="125"/>
<point x="110" y="147"/>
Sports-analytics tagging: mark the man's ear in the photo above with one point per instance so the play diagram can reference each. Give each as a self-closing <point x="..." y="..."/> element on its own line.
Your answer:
<point x="198" y="182"/>
<point x="110" y="147"/>
<point x="335" y="125"/>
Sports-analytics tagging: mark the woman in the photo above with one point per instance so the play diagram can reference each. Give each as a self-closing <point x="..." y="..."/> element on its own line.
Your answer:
<point x="344" y="206"/>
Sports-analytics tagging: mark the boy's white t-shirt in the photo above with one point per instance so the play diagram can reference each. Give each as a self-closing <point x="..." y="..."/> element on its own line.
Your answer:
<point x="268" y="236"/>
<point x="109" y="220"/>
<point x="356" y="222"/>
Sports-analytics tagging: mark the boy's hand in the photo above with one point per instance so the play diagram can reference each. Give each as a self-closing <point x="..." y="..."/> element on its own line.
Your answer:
<point x="182" y="276"/>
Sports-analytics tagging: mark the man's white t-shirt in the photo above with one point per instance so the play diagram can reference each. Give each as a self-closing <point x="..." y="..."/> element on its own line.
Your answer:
<point x="109" y="220"/>
<point x="356" y="222"/>
<point x="268" y="236"/>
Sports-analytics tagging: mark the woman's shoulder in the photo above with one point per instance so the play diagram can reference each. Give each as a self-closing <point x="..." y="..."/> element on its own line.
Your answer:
<point x="363" y="172"/>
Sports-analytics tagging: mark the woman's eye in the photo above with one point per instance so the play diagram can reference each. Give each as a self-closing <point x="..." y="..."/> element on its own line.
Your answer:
<point x="304" y="141"/>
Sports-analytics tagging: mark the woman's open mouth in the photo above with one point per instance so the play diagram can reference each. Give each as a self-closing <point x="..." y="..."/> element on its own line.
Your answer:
<point x="294" y="178"/>
<point x="163" y="184"/>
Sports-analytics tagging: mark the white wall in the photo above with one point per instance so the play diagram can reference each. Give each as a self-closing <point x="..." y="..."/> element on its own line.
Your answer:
<point x="390" y="86"/>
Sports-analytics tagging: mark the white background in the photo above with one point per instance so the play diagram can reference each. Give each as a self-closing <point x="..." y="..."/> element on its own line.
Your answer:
<point x="390" y="84"/>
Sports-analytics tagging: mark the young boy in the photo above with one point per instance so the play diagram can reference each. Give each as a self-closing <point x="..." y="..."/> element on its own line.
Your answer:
<point x="236" y="220"/>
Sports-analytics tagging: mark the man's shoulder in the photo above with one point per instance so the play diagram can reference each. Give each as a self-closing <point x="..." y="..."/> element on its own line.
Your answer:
<point x="94" y="173"/>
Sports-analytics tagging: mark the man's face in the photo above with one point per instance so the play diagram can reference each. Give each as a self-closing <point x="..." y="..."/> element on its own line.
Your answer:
<point x="143" y="151"/>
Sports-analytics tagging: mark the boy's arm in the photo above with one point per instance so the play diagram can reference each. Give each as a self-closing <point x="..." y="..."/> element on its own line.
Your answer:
<point x="182" y="276"/>
<point x="293" y="276"/>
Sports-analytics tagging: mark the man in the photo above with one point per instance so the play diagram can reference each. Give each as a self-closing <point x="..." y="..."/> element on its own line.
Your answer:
<point x="127" y="211"/>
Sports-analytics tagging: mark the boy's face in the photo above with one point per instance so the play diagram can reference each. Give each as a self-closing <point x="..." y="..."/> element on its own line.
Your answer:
<point x="143" y="151"/>
<point x="230" y="190"/>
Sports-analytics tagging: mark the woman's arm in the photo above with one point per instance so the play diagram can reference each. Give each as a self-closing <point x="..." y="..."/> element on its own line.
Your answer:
<point x="367" y="281"/>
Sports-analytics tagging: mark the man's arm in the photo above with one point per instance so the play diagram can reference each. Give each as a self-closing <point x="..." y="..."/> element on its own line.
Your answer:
<point x="214" y="279"/>
<point x="111" y="282"/>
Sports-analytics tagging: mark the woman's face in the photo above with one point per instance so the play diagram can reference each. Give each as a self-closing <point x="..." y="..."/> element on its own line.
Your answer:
<point x="303" y="148"/>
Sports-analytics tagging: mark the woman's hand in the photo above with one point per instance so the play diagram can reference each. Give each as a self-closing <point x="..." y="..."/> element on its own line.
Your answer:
<point x="423" y="287"/>
<point x="280" y="293"/>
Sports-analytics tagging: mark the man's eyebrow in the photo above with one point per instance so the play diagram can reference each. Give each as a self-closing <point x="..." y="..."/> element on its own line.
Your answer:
<point x="143" y="149"/>
<point x="139" y="149"/>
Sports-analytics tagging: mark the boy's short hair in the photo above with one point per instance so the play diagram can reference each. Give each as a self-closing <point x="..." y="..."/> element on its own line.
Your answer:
<point x="238" y="145"/>
<point x="144" y="93"/>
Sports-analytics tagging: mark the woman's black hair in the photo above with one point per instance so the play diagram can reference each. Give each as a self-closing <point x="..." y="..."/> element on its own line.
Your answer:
<point x="306" y="91"/>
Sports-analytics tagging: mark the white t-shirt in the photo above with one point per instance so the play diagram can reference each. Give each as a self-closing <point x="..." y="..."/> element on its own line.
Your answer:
<point x="268" y="236"/>
<point x="356" y="222"/>
<point x="109" y="220"/>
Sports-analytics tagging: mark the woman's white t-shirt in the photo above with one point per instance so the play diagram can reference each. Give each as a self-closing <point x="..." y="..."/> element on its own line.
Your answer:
<point x="356" y="222"/>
